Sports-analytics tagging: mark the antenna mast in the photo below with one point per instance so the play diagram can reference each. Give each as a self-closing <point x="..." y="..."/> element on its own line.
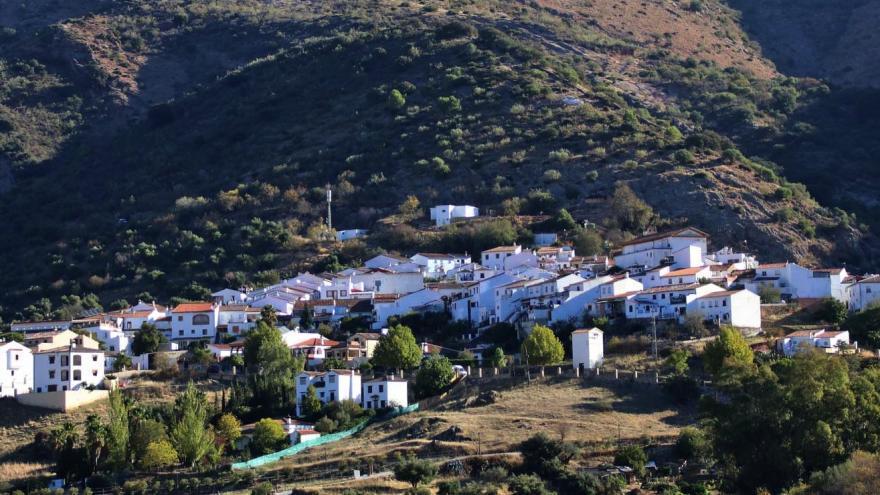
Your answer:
<point x="329" y="210"/>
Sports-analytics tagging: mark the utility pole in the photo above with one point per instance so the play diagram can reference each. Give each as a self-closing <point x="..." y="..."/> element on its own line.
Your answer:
<point x="329" y="209"/>
<point x="654" y="328"/>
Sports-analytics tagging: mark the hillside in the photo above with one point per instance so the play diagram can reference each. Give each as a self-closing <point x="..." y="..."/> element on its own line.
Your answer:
<point x="170" y="147"/>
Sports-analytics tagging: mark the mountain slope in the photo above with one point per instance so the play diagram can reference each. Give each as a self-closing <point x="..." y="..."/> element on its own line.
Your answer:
<point x="517" y="107"/>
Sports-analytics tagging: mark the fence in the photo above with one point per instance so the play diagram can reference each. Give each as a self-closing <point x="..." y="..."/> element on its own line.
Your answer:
<point x="322" y="440"/>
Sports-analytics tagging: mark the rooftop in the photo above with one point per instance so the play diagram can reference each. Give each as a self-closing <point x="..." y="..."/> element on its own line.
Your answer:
<point x="663" y="235"/>
<point x="193" y="307"/>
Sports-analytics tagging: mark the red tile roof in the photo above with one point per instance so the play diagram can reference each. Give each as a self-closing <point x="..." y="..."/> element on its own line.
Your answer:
<point x="314" y="342"/>
<point x="194" y="307"/>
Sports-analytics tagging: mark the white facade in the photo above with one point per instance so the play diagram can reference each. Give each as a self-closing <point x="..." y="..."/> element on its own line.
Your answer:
<point x="444" y="214"/>
<point x="16" y="369"/>
<point x="824" y="340"/>
<point x="344" y="235"/>
<point x="683" y="248"/>
<point x="68" y="368"/>
<point x="863" y="293"/>
<point x="587" y="348"/>
<point x="384" y="392"/>
<point x="741" y="308"/>
<point x="195" y="321"/>
<point x="419" y="301"/>
<point x="795" y="281"/>
<point x="27" y="327"/>
<point x="237" y="319"/>
<point x="114" y="339"/>
<point x="494" y="258"/>
<point x="387" y="281"/>
<point x="437" y="265"/>
<point x="229" y="296"/>
<point x="333" y="385"/>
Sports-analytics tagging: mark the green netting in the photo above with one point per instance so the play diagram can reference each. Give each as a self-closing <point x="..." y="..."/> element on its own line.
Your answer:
<point x="323" y="439"/>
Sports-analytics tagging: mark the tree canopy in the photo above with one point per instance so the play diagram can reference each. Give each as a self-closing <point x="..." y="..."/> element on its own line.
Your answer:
<point x="434" y="374"/>
<point x="398" y="349"/>
<point x="147" y="340"/>
<point x="542" y="347"/>
<point x="729" y="350"/>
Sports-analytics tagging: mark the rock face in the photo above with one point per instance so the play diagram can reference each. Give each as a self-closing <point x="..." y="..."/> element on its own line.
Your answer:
<point x="836" y="41"/>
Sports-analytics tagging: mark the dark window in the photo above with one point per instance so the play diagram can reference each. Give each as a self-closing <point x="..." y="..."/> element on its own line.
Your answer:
<point x="51" y="359"/>
<point x="52" y="388"/>
<point x="77" y="375"/>
<point x="77" y="360"/>
<point x="381" y="388"/>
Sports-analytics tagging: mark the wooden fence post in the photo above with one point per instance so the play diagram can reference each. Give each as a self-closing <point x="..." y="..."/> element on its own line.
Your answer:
<point x="616" y="374"/>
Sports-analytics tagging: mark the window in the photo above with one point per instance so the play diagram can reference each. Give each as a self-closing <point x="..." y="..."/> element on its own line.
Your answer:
<point x="302" y="380"/>
<point x="369" y="389"/>
<point x="180" y="333"/>
<point x="51" y="359"/>
<point x="180" y="318"/>
<point x="77" y="375"/>
<point x="724" y="302"/>
<point x="94" y="372"/>
<point x="332" y="396"/>
<point x="94" y="358"/>
<point x="65" y="360"/>
<point x="51" y="374"/>
<point x="381" y="388"/>
<point x="369" y="405"/>
<point x="383" y="403"/>
<point x="332" y="378"/>
<point x="65" y="375"/>
<point x="77" y="360"/>
<point x="868" y="290"/>
<point x="204" y="331"/>
<point x="52" y="388"/>
<point x="16" y="357"/>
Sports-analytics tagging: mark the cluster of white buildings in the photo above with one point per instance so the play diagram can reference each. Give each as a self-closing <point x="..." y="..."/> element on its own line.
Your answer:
<point x="664" y="276"/>
<point x="341" y="385"/>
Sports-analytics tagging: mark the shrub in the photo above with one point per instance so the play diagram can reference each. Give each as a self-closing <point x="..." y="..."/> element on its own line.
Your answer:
<point x="632" y="456"/>
<point x="561" y="155"/>
<point x="396" y="100"/>
<point x="449" y="104"/>
<point x="264" y="488"/>
<point x="684" y="157"/>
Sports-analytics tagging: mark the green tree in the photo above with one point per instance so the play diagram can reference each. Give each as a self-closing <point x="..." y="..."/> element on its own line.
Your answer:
<point x="414" y="471"/>
<point x="692" y="444"/>
<point x="542" y="347"/>
<point x="64" y="440"/>
<point x="677" y="361"/>
<point x="564" y="220"/>
<point x="630" y="212"/>
<point x="398" y="349"/>
<point x="190" y="435"/>
<point x="434" y="374"/>
<point x="396" y="100"/>
<point x="159" y="454"/>
<point x="498" y="359"/>
<point x="95" y="441"/>
<point x="267" y="314"/>
<point x="119" y="451"/>
<point x="264" y="488"/>
<point x="588" y="242"/>
<point x="311" y="405"/>
<point x="410" y="207"/>
<point x="229" y="429"/>
<point x="307" y="317"/>
<point x="769" y="294"/>
<point x="147" y="340"/>
<point x="730" y="349"/>
<point x="271" y="369"/>
<point x="528" y="484"/>
<point x="146" y="431"/>
<point x="268" y="437"/>
<point x="832" y="311"/>
<point x="121" y="362"/>
<point x="632" y="456"/>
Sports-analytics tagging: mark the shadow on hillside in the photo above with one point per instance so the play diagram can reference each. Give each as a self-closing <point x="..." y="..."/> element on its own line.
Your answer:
<point x="638" y="398"/>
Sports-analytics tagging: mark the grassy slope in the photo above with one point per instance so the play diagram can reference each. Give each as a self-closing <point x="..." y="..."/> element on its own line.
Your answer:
<point x="316" y="112"/>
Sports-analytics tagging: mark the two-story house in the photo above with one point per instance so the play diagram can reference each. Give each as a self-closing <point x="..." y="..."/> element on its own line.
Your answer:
<point x="330" y="386"/>
<point x="194" y="322"/>
<point x="66" y="368"/>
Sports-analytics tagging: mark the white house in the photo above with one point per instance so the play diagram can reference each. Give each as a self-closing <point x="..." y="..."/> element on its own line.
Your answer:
<point x="795" y="281"/>
<point x="16" y="369"/>
<point x="582" y="297"/>
<point x="68" y="368"/>
<point x="333" y="385"/>
<point x="477" y="303"/>
<point x="727" y="256"/>
<point x="470" y="272"/>
<point x="686" y="275"/>
<point x="824" y="340"/>
<point x="494" y="258"/>
<point x="385" y="261"/>
<point x="114" y="338"/>
<point x="314" y="349"/>
<point x="195" y="321"/>
<point x="421" y="301"/>
<point x="444" y="214"/>
<point x="229" y="296"/>
<point x="864" y="292"/>
<point x="344" y="287"/>
<point x="739" y="308"/>
<point x="237" y="319"/>
<point x="283" y="303"/>
<point x="391" y="280"/>
<point x="587" y="348"/>
<point x="682" y="248"/>
<point x="344" y="235"/>
<point x="384" y="392"/>
<point x="667" y="301"/>
<point x="437" y="265"/>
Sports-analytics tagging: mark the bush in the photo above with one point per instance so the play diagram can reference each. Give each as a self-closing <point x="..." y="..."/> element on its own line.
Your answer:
<point x="396" y="100"/>
<point x="264" y="488"/>
<point x="692" y="444"/>
<point x="527" y="484"/>
<point x="632" y="456"/>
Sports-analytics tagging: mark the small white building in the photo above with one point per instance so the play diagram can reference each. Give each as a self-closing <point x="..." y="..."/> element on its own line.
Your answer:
<point x="824" y="340"/>
<point x="494" y="258"/>
<point x="27" y="327"/>
<point x="587" y="348"/>
<point x="344" y="235"/>
<point x="437" y="265"/>
<point x="195" y="321"/>
<point x="864" y="292"/>
<point x="738" y="308"/>
<point x="16" y="369"/>
<point x="385" y="392"/>
<point x="331" y="386"/>
<point x="682" y="248"/>
<point x="444" y="214"/>
<point x="68" y="368"/>
<point x="229" y="296"/>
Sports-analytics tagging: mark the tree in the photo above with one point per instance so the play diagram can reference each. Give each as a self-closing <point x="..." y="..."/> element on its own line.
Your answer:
<point x="159" y="454"/>
<point x="190" y="435"/>
<point x="121" y="362"/>
<point x="695" y="324"/>
<point x="632" y="456"/>
<point x="95" y="441"/>
<point x="396" y="100"/>
<point x="564" y="220"/>
<point x="864" y="326"/>
<point x="119" y="452"/>
<point x="229" y="429"/>
<point x="264" y="488"/>
<point x="311" y="404"/>
<point x="145" y="432"/>
<point x="769" y="294"/>
<point x="64" y="440"/>
<point x="398" y="349"/>
<point x="267" y="314"/>
<point x="414" y="471"/>
<point x="832" y="311"/>
<point x="692" y="444"/>
<point x="544" y="455"/>
<point x="860" y="475"/>
<point x="498" y="359"/>
<point x="588" y="242"/>
<point x="410" y="206"/>
<point x="630" y="212"/>
<point x="268" y="437"/>
<point x="271" y="369"/>
<point x="542" y="347"/>
<point x="677" y="361"/>
<point x="147" y="340"/>
<point x="730" y="349"/>
<point x="307" y="317"/>
<point x="434" y="374"/>
<point x="528" y="484"/>
<point x="466" y="358"/>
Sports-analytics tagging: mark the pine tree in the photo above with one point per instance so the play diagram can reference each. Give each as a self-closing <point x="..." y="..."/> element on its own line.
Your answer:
<point x="118" y="432"/>
<point x="189" y="434"/>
